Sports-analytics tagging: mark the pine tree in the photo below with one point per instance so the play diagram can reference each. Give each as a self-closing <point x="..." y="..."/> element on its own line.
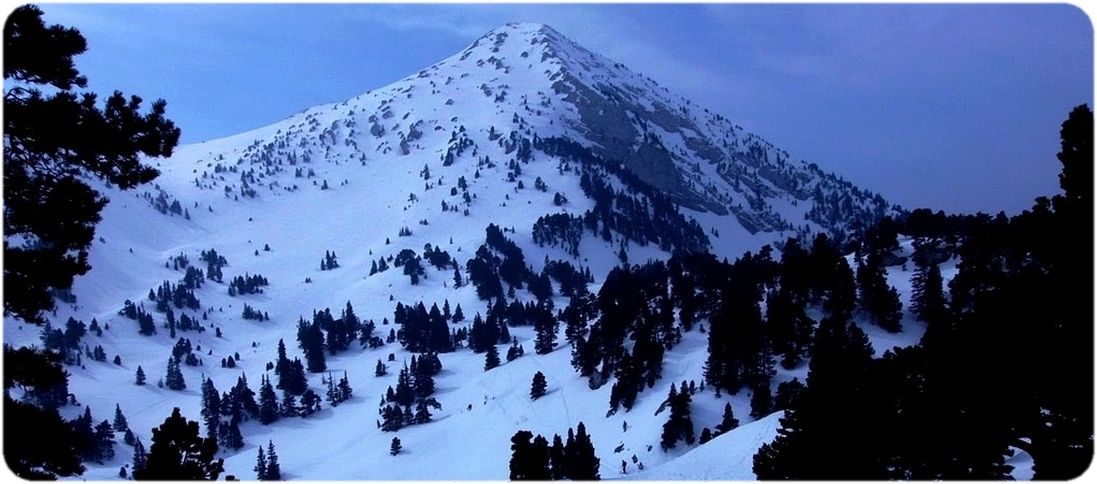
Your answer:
<point x="243" y="398"/>
<point x="211" y="408"/>
<point x="140" y="458"/>
<point x="424" y="379"/>
<point x="879" y="300"/>
<point x="345" y="390"/>
<point x="679" y="425"/>
<point x="787" y="393"/>
<point x="545" y="326"/>
<point x="381" y="370"/>
<point x="261" y="466"/>
<point x="289" y="406"/>
<point x="529" y="461"/>
<point x="422" y="409"/>
<point x="310" y="403"/>
<point x="104" y="441"/>
<point x="332" y="393"/>
<point x="178" y="453"/>
<point x="140" y="378"/>
<point x="458" y="281"/>
<point x="559" y="464"/>
<point x="292" y="378"/>
<point x="491" y="359"/>
<point x="584" y="463"/>
<point x="84" y="428"/>
<point x="395" y="448"/>
<point x="928" y="298"/>
<point x="282" y="361"/>
<point x="311" y="339"/>
<point x="47" y="177"/>
<point x="274" y="469"/>
<point x="174" y="379"/>
<point x="538" y="387"/>
<point x="268" y="403"/>
<point x="835" y="401"/>
<point x="229" y="434"/>
<point x="520" y="456"/>
<point x="706" y="435"/>
<point x="761" y="401"/>
<point x="120" y="424"/>
<point x="728" y="422"/>
<point x="392" y="418"/>
<point x="405" y="390"/>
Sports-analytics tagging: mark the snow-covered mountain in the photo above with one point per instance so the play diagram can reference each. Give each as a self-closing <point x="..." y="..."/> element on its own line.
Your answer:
<point x="524" y="82"/>
<point x="521" y="125"/>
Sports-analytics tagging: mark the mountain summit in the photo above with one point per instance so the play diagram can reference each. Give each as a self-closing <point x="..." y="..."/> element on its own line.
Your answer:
<point x="525" y="82"/>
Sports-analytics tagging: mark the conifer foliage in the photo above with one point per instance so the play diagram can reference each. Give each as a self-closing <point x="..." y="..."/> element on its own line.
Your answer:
<point x="679" y="425"/>
<point x="174" y="378"/>
<point x="538" y="386"/>
<point x="44" y="176"/>
<point x="533" y="459"/>
<point x="178" y="453"/>
<point x="267" y="467"/>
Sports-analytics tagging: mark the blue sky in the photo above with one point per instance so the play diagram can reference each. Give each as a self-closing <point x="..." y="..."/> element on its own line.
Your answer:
<point x="954" y="107"/>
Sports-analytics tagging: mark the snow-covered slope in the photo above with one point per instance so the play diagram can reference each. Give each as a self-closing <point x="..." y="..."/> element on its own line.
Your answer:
<point x="348" y="177"/>
<point x="727" y="457"/>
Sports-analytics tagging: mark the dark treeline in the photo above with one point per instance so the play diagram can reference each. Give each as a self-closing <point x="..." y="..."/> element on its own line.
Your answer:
<point x="534" y="459"/>
<point x="1006" y="361"/>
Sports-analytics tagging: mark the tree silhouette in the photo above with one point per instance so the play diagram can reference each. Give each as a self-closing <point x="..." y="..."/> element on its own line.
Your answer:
<point x="178" y="453"/>
<point x="52" y="141"/>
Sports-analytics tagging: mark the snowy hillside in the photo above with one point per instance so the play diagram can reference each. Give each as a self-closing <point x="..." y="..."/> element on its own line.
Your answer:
<point x="433" y="159"/>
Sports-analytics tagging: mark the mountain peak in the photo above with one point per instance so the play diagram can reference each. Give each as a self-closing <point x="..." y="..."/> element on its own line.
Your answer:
<point x="522" y="37"/>
<point x="524" y="82"/>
